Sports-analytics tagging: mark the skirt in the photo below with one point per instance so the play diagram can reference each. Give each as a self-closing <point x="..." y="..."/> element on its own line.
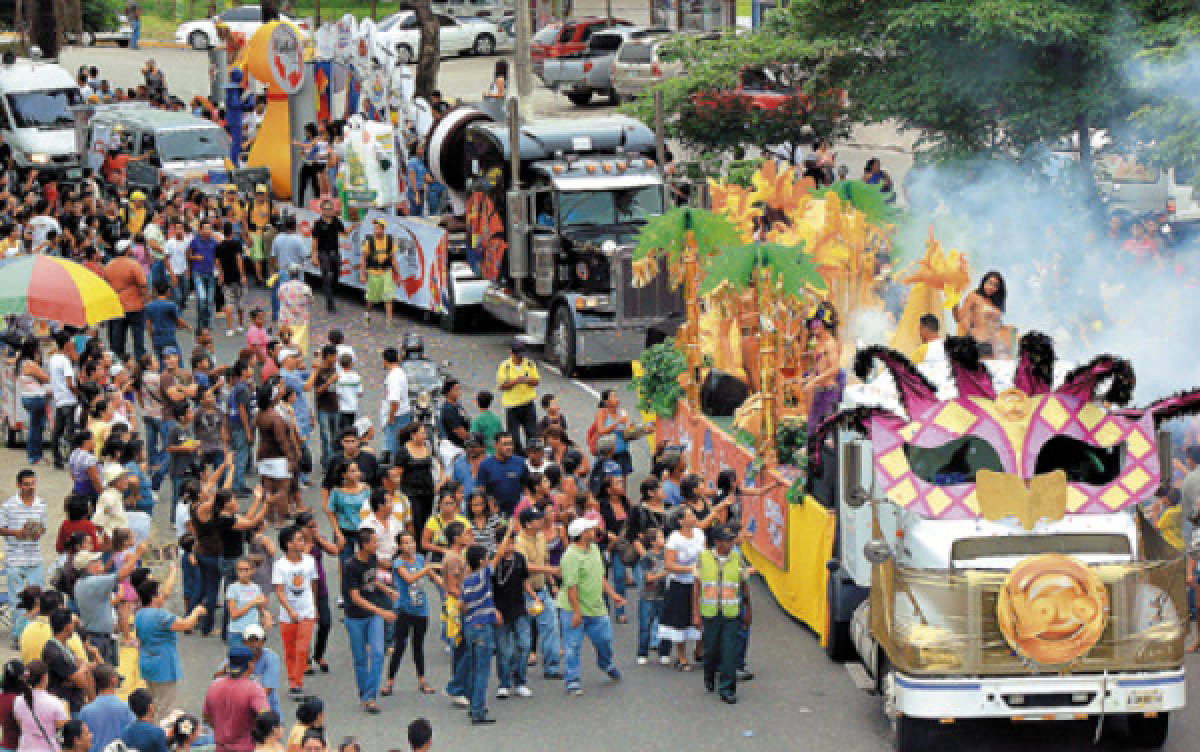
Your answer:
<point x="274" y="467"/>
<point x="675" y="624"/>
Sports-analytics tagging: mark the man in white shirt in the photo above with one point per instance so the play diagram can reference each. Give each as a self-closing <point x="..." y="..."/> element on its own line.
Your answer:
<point x="22" y="524"/>
<point x="43" y="224"/>
<point x="177" y="263"/>
<point x="62" y="388"/>
<point x="394" y="412"/>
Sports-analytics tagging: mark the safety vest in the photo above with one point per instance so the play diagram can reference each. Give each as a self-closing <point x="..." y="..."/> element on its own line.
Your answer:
<point x="720" y="586"/>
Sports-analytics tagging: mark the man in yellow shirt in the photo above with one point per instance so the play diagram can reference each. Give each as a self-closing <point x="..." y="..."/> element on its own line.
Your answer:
<point x="35" y="636"/>
<point x="517" y="380"/>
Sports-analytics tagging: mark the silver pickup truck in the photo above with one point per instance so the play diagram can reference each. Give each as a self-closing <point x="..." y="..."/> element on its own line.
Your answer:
<point x="590" y="72"/>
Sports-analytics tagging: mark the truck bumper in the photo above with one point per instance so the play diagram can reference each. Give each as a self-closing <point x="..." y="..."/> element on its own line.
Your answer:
<point x="1041" y="697"/>
<point x="599" y="341"/>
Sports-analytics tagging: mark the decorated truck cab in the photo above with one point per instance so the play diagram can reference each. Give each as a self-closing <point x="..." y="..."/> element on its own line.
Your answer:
<point x="993" y="560"/>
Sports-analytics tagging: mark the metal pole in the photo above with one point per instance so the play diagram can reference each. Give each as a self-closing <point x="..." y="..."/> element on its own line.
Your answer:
<point x="521" y="53"/>
<point x="660" y="139"/>
<point x="514" y="140"/>
<point x="219" y="58"/>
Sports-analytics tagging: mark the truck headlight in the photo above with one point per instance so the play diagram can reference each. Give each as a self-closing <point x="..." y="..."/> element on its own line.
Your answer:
<point x="590" y="302"/>
<point x="930" y="648"/>
<point x="39" y="157"/>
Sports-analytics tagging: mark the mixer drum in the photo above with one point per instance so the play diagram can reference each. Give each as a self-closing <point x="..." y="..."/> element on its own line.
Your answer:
<point x="445" y="151"/>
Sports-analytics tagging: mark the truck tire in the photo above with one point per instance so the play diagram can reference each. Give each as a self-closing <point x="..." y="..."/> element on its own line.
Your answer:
<point x="451" y="319"/>
<point x="613" y="97"/>
<point x="1148" y="733"/>
<point x="485" y="44"/>
<point x="915" y="734"/>
<point x="580" y="98"/>
<point x="560" y="341"/>
<point x="838" y="645"/>
<point x="198" y="40"/>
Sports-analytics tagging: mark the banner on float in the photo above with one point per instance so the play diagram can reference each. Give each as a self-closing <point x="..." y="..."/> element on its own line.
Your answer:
<point x="421" y="263"/>
<point x="709" y="451"/>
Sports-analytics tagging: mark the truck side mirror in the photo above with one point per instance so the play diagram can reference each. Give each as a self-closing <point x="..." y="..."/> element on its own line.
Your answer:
<point x="852" y="461"/>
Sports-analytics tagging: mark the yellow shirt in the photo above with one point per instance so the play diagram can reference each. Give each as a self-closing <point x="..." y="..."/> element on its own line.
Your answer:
<point x="521" y="394"/>
<point x="435" y="524"/>
<point x="135" y="219"/>
<point x="37" y="634"/>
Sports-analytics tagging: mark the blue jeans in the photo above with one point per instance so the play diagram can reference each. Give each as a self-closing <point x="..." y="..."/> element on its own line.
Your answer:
<point x="328" y="423"/>
<point x="599" y="630"/>
<point x="366" y="644"/>
<point x="279" y="280"/>
<point x="618" y="570"/>
<point x="547" y="624"/>
<point x="391" y="431"/>
<point x="512" y="652"/>
<point x="154" y="445"/>
<point x="743" y="642"/>
<point x="241" y="455"/>
<point x="37" y="426"/>
<point x="158" y="273"/>
<point x="192" y="583"/>
<point x="20" y="577"/>
<point x="159" y="471"/>
<point x="135" y="33"/>
<point x="480" y="640"/>
<point x="133" y="323"/>
<point x="649" y="612"/>
<point x="179" y="292"/>
<point x="206" y="285"/>
<point x="210" y="584"/>
<point x="458" y="686"/>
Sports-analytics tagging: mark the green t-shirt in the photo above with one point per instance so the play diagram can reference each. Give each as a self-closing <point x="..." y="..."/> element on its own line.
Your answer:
<point x="584" y="569"/>
<point x="487" y="424"/>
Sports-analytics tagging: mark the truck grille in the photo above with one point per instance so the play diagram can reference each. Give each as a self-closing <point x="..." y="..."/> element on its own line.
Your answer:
<point x="654" y="301"/>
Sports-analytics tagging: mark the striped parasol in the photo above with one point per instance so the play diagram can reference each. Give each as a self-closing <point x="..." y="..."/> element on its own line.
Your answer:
<point x="56" y="289"/>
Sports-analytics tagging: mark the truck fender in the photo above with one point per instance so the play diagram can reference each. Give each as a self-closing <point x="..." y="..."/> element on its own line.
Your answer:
<point x="566" y="299"/>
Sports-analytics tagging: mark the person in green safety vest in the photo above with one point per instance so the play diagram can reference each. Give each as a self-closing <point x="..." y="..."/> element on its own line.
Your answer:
<point x="717" y="608"/>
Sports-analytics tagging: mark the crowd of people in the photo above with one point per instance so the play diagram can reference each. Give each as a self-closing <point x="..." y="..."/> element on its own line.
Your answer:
<point x="191" y="472"/>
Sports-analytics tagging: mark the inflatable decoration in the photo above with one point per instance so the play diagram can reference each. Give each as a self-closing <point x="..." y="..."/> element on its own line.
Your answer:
<point x="275" y="56"/>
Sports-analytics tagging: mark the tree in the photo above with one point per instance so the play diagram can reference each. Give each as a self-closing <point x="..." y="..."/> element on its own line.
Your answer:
<point x="1169" y="119"/>
<point x="429" y="57"/>
<point x="974" y="76"/>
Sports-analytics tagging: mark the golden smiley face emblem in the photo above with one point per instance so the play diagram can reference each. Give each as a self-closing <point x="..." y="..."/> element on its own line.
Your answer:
<point x="1052" y="609"/>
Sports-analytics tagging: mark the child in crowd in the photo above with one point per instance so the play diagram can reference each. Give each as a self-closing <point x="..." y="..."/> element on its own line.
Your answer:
<point x="650" y="600"/>
<point x="246" y="602"/>
<point x="487" y="424"/>
<point x="256" y="335"/>
<point x="122" y="547"/>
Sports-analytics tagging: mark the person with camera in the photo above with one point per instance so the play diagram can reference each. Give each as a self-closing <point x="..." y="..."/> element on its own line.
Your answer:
<point x="22" y="525"/>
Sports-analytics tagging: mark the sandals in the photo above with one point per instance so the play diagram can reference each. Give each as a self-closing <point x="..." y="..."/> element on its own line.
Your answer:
<point x="683" y="666"/>
<point x="372" y="708"/>
<point x="387" y="690"/>
<point x="425" y="689"/>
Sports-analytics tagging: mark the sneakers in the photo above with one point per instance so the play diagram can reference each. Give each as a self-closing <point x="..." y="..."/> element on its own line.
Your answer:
<point x="745" y="674"/>
<point x="523" y="691"/>
<point x="575" y="690"/>
<point x="228" y="332"/>
<point x="614" y="673"/>
<point x="643" y="660"/>
<point x="459" y="701"/>
<point x="483" y="720"/>
<point x="502" y="693"/>
<point x="241" y="328"/>
<point x="664" y="660"/>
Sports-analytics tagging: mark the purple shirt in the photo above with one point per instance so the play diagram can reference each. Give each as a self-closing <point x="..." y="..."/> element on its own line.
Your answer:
<point x="206" y="248"/>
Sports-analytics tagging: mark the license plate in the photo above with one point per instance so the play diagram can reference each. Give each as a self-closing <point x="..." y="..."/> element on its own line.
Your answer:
<point x="1144" y="699"/>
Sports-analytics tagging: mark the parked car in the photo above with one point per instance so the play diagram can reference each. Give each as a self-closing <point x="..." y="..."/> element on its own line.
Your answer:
<point x="567" y="37"/>
<point x="506" y="30"/>
<point x="582" y="75"/>
<point x="400" y="34"/>
<point x="1183" y="201"/>
<point x="120" y="32"/>
<point x="244" y="19"/>
<point x="495" y="9"/>
<point x="638" y="66"/>
<point x="766" y="87"/>
<point x="1131" y="186"/>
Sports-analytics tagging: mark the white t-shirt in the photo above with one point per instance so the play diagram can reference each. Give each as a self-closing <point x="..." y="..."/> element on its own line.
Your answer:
<point x="297" y="580"/>
<point x="41" y="226"/>
<point x="177" y="254"/>
<point x="344" y="350"/>
<point x="61" y="369"/>
<point x="687" y="551"/>
<point x="395" y="389"/>
<point x="349" y="388"/>
<point x="386" y="535"/>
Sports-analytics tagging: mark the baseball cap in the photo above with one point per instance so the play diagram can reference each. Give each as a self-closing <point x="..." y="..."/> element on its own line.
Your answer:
<point x="239" y="660"/>
<point x="170" y="350"/>
<point x="610" y="468"/>
<point x="123" y="245"/>
<point x="362" y="426"/>
<point x="579" y="526"/>
<point x="379" y="221"/>
<point x="83" y="558"/>
<point x="116" y="370"/>
<point x="229" y="188"/>
<point x="254" y="632"/>
<point x="723" y="533"/>
<point x="517" y="346"/>
<point x="137" y="196"/>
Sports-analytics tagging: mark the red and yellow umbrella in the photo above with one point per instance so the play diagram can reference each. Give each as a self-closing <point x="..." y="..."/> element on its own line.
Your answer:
<point x="56" y="289"/>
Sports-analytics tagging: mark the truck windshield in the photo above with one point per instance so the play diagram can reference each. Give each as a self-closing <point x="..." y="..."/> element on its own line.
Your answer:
<point x="200" y="143"/>
<point x="43" y="109"/>
<point x="611" y="207"/>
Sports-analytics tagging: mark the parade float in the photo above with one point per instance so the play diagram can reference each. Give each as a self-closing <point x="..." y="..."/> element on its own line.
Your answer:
<point x="971" y="528"/>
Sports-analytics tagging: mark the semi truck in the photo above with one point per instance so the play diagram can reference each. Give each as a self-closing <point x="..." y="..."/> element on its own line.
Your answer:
<point x="552" y="209"/>
<point x="993" y="558"/>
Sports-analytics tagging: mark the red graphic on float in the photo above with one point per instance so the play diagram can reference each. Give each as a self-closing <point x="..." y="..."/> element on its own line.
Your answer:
<point x="486" y="228"/>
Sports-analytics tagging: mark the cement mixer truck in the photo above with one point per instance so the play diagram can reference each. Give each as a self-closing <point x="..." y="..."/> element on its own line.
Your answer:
<point x="552" y="209"/>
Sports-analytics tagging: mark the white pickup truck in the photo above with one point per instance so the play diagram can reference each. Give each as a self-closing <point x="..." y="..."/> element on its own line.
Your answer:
<point x="590" y="72"/>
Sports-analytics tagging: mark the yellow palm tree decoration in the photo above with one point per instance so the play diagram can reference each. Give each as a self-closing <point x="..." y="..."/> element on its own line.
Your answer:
<point x="938" y="280"/>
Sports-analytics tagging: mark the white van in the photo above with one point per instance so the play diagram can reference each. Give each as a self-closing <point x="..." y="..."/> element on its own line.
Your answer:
<point x="35" y="116"/>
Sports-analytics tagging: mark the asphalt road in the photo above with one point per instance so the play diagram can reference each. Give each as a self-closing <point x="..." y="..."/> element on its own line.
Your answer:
<point x="799" y="701"/>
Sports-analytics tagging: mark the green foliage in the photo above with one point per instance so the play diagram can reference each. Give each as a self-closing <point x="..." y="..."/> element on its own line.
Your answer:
<point x="791" y="442"/>
<point x="658" y="387"/>
<point x="868" y="199"/>
<point x="667" y="234"/>
<point x="101" y="14"/>
<point x="736" y="265"/>
<point x="795" y="492"/>
<point x="1169" y="119"/>
<point x="972" y="76"/>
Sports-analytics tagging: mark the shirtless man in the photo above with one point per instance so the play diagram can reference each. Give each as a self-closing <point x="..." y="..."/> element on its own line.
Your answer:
<point x="827" y="379"/>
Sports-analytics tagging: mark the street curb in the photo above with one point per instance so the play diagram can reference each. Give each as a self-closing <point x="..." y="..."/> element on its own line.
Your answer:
<point x="162" y="44"/>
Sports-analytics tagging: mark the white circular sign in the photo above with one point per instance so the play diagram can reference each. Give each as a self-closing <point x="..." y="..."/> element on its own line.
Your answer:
<point x="286" y="54"/>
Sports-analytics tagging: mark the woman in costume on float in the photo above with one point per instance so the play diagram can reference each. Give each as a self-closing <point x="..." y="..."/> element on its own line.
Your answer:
<point x="981" y="314"/>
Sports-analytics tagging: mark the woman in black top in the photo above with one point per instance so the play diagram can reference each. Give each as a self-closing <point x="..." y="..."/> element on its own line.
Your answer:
<point x="233" y="528"/>
<point x="206" y="555"/>
<point x="618" y="521"/>
<point x="417" y="460"/>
